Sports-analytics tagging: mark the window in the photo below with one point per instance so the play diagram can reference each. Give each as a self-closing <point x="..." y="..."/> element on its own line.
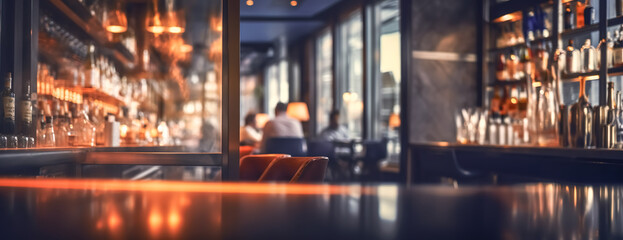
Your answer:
<point x="324" y="79"/>
<point x="351" y="75"/>
<point x="386" y="93"/>
<point x="277" y="85"/>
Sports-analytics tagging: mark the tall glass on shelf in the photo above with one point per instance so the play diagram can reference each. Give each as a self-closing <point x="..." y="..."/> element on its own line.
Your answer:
<point x="581" y="120"/>
<point x="547" y="112"/>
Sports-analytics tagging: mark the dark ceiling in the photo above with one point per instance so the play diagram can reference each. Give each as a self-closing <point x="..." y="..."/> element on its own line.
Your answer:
<point x="268" y="20"/>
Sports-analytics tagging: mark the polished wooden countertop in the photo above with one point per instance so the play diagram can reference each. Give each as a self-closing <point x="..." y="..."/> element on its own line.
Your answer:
<point x="114" y="209"/>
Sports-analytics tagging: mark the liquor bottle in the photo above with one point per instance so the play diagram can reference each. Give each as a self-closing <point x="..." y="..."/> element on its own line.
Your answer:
<point x="619" y="119"/>
<point x="569" y="18"/>
<point x="525" y="63"/>
<point x="572" y="59"/>
<point x="500" y="68"/>
<point x="85" y="131"/>
<point x="588" y="56"/>
<point x="530" y="25"/>
<point x="504" y="102"/>
<point x="92" y="73"/>
<point x="619" y="7"/>
<point x="608" y="44"/>
<point x="48" y="138"/>
<point x="511" y="65"/>
<point x="609" y="129"/>
<point x="579" y="14"/>
<point x="589" y="13"/>
<point x="513" y="105"/>
<point x="581" y="120"/>
<point x="617" y="49"/>
<point x="8" y="104"/>
<point x="26" y="118"/>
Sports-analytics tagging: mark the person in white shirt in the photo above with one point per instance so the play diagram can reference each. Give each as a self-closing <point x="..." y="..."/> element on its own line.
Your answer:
<point x="250" y="134"/>
<point x="281" y="125"/>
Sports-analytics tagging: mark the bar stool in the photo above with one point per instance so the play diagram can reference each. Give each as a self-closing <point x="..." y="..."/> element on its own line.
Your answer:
<point x="295" y="169"/>
<point x="313" y="171"/>
<point x="253" y="166"/>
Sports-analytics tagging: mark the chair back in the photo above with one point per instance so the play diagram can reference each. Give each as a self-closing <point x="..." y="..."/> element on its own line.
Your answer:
<point x="253" y="166"/>
<point x="296" y="147"/>
<point x="313" y="171"/>
<point x="375" y="150"/>
<point x="284" y="169"/>
<point x="321" y="148"/>
<point x="245" y="150"/>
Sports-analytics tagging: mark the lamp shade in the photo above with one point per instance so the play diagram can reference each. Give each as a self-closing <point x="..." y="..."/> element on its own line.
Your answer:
<point x="394" y="120"/>
<point x="298" y="110"/>
<point x="261" y="119"/>
<point x="115" y="20"/>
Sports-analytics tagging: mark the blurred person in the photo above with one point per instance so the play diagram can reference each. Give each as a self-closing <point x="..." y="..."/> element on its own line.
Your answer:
<point x="250" y="134"/>
<point x="334" y="132"/>
<point x="281" y="125"/>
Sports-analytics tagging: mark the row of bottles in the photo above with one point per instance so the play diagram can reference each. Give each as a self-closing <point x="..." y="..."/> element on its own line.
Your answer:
<point x="65" y="124"/>
<point x="584" y="126"/>
<point x="532" y="114"/>
<point x="537" y="24"/>
<point x="588" y="57"/>
<point x="524" y="62"/>
<point x="578" y="14"/>
<point x="10" y="137"/>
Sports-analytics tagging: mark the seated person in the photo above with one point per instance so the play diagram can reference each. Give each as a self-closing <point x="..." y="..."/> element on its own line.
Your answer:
<point x="334" y="132"/>
<point x="281" y="125"/>
<point x="250" y="134"/>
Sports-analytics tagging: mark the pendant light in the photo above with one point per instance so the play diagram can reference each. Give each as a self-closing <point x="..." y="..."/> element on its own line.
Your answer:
<point x="115" y="20"/>
<point x="153" y="23"/>
<point x="175" y="22"/>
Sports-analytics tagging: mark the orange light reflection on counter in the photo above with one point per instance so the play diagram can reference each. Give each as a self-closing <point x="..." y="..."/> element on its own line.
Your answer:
<point x="154" y="222"/>
<point x="172" y="186"/>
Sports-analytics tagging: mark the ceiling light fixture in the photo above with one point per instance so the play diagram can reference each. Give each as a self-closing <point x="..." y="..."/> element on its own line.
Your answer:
<point x="115" y="20"/>
<point x="175" y="22"/>
<point x="294" y="3"/>
<point x="249" y="2"/>
<point x="153" y="23"/>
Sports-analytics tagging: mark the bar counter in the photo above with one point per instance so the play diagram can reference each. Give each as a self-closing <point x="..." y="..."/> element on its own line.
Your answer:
<point x="115" y="209"/>
<point x="512" y="164"/>
<point x="31" y="161"/>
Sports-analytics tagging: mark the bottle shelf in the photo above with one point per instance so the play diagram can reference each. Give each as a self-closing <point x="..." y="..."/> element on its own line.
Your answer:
<point x="615" y="21"/>
<point x="498" y="83"/>
<point x="566" y="76"/>
<point x="80" y="16"/>
<point x="580" y="31"/>
<point x="102" y="96"/>
<point x="520" y="45"/>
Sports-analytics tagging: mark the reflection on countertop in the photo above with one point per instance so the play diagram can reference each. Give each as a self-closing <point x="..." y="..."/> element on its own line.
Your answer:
<point x="114" y="209"/>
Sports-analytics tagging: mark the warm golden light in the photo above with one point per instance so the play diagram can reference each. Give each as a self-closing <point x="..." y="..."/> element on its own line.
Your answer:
<point x="116" y="29"/>
<point x="514" y="100"/>
<point x="394" y="120"/>
<point x="536" y="84"/>
<point x="155" y="29"/>
<point x="592" y="77"/>
<point x="115" y="20"/>
<point x="298" y="110"/>
<point x="249" y="2"/>
<point x="261" y="119"/>
<point x="176" y="29"/>
<point x="172" y="186"/>
<point x="294" y="3"/>
<point x="509" y="17"/>
<point x="186" y="48"/>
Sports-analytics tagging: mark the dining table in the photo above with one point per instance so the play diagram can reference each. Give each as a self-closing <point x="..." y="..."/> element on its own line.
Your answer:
<point x="35" y="208"/>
